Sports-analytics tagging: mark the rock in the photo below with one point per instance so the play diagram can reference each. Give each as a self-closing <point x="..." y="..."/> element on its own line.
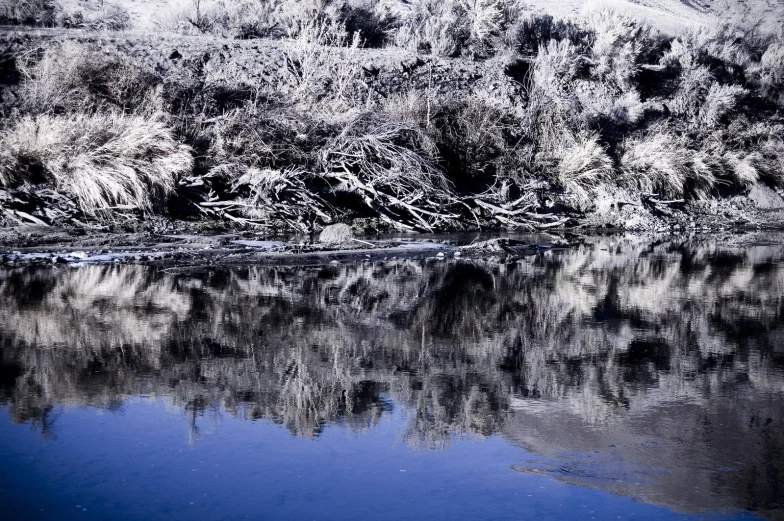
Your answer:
<point x="765" y="198"/>
<point x="336" y="234"/>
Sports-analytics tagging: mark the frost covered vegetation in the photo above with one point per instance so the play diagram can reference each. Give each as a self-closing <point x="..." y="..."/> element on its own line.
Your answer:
<point x="574" y="117"/>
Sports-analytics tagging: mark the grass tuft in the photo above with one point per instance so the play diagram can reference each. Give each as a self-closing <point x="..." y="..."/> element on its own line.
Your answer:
<point x="101" y="160"/>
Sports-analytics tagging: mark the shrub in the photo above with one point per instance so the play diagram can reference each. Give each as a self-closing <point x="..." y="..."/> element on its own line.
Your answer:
<point x="693" y="87"/>
<point x="556" y="66"/>
<point x="281" y="198"/>
<point x="719" y="102"/>
<point x="618" y="44"/>
<point x="321" y="66"/>
<point x="603" y="103"/>
<point x="552" y="105"/>
<point x="769" y="72"/>
<point x="31" y="12"/>
<point x="101" y="160"/>
<point x="254" y="19"/>
<point x="390" y="166"/>
<point x="262" y="138"/>
<point x="382" y="153"/>
<point x="110" y="18"/>
<point x="71" y="76"/>
<point x="432" y="26"/>
<point x="373" y="24"/>
<point x="452" y="27"/>
<point x="528" y="34"/>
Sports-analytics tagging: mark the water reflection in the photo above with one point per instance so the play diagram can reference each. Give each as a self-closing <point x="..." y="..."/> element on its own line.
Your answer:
<point x="654" y="370"/>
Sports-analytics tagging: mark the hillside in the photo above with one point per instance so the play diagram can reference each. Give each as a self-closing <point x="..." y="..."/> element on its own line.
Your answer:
<point x="413" y="118"/>
<point x="670" y="15"/>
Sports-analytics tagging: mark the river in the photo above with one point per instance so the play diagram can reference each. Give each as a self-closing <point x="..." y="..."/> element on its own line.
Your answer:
<point x="620" y="378"/>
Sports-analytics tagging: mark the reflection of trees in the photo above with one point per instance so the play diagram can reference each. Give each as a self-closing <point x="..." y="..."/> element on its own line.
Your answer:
<point x="606" y="333"/>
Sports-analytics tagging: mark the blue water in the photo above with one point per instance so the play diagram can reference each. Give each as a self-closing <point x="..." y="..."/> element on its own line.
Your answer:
<point x="615" y="379"/>
<point x="142" y="463"/>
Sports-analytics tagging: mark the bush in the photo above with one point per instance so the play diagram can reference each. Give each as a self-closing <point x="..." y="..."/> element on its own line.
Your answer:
<point x="618" y="45"/>
<point x="373" y="24"/>
<point x="475" y="141"/>
<point x="43" y="13"/>
<point x="262" y="137"/>
<point x="70" y="76"/>
<point x="453" y="27"/>
<point x="552" y="105"/>
<point x="769" y="72"/>
<point x="528" y="34"/>
<point x="719" y="102"/>
<point x="101" y="160"/>
<point x="321" y="66"/>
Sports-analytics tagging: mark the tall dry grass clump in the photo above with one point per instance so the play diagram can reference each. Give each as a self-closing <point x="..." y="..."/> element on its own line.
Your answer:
<point x="657" y="162"/>
<point x="101" y="160"/>
<point x="583" y="165"/>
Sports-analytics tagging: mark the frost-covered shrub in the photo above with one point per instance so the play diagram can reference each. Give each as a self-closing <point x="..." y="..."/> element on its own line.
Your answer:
<point x="619" y="42"/>
<point x="30" y="12"/>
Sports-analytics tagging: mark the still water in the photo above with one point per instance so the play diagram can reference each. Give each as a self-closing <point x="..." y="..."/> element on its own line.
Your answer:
<point x="618" y="379"/>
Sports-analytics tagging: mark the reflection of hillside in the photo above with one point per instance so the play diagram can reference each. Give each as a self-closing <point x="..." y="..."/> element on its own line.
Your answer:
<point x="614" y="340"/>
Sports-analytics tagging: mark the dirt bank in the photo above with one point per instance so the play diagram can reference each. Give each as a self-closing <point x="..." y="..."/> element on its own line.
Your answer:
<point x="281" y="136"/>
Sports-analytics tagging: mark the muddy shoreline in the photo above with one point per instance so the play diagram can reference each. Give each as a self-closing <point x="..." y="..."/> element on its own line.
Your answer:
<point x="36" y="246"/>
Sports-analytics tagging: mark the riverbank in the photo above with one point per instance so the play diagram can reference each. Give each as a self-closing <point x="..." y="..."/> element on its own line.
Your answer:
<point x="598" y="123"/>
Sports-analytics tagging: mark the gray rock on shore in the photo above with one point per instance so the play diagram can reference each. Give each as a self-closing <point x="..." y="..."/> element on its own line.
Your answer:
<point x="336" y="234"/>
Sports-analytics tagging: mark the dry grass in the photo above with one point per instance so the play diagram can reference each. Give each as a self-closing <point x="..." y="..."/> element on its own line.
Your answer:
<point x="583" y="165"/>
<point x="584" y="104"/>
<point x="102" y="160"/>
<point x="322" y="67"/>
<point x="656" y="163"/>
<point x="71" y="76"/>
<point x="30" y="12"/>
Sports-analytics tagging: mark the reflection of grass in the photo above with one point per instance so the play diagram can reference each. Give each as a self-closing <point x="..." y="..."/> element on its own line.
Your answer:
<point x="604" y="333"/>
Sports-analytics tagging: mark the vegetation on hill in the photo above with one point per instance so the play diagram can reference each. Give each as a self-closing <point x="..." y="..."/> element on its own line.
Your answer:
<point x="599" y="115"/>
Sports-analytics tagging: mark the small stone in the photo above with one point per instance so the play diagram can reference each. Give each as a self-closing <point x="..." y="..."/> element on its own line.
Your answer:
<point x="336" y="234"/>
<point x="440" y="256"/>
